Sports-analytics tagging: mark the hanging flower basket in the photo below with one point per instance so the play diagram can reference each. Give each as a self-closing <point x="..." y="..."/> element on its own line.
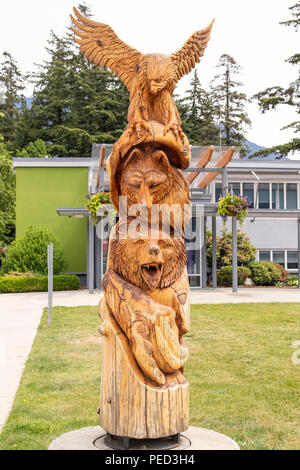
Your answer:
<point x="96" y="201"/>
<point x="233" y="206"/>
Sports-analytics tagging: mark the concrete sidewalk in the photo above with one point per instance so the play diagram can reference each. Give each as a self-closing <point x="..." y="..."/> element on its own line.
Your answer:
<point x="244" y="295"/>
<point x="20" y="316"/>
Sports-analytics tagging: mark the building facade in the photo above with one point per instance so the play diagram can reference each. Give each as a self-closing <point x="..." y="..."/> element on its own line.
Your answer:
<point x="46" y="185"/>
<point x="273" y="185"/>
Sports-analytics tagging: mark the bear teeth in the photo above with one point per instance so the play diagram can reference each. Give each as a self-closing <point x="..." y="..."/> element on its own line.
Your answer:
<point x="151" y="273"/>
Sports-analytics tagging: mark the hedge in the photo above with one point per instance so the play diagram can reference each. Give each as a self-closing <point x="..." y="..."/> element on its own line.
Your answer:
<point x="9" y="284"/>
<point x="265" y="273"/>
<point x="292" y="281"/>
<point x="225" y="275"/>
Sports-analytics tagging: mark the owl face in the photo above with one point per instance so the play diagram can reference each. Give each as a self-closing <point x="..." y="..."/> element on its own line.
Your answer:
<point x="159" y="72"/>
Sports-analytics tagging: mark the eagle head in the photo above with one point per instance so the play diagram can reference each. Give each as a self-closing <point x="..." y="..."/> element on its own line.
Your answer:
<point x="159" y="72"/>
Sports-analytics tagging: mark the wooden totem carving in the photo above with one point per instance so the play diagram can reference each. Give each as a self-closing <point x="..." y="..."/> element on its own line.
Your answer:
<point x="145" y="308"/>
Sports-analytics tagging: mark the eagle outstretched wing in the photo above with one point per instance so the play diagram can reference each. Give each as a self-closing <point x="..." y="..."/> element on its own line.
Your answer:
<point x="101" y="45"/>
<point x="185" y="58"/>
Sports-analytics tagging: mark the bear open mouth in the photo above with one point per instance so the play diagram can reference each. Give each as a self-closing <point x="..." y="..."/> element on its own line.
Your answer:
<point x="152" y="274"/>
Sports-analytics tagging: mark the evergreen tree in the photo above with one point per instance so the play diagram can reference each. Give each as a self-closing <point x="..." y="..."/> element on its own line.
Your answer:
<point x="198" y="114"/>
<point x="229" y="102"/>
<point x="274" y="96"/>
<point x="75" y="103"/>
<point x="12" y="100"/>
<point x="7" y="195"/>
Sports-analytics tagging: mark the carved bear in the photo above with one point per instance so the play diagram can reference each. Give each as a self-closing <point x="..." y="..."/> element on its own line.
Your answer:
<point x="146" y="289"/>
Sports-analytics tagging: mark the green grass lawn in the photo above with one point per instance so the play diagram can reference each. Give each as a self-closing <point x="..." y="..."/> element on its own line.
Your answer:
<point x="243" y="381"/>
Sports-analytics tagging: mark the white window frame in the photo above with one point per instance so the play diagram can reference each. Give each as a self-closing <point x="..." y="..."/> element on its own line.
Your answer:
<point x="255" y="187"/>
<point x="285" y="250"/>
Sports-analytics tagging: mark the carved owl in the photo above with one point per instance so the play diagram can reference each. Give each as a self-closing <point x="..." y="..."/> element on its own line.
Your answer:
<point x="150" y="78"/>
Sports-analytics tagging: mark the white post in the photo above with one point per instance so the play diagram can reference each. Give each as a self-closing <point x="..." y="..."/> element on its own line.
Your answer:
<point x="50" y="281"/>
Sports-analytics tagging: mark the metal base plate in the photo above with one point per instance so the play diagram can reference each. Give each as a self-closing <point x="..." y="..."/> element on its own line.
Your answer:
<point x="125" y="443"/>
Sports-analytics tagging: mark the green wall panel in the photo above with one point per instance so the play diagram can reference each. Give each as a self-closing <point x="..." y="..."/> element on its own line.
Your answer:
<point x="40" y="191"/>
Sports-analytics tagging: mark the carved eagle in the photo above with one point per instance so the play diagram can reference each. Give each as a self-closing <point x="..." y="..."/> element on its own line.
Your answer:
<point x="150" y="78"/>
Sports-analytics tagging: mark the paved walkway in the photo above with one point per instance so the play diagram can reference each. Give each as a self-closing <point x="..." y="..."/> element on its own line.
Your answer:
<point x="20" y="316"/>
<point x="244" y="295"/>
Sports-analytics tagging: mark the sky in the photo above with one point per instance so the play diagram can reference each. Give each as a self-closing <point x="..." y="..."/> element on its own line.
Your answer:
<point x="248" y="30"/>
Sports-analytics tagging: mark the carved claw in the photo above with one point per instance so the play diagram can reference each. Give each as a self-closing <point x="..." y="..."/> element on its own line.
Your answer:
<point x="136" y="126"/>
<point x="176" y="129"/>
<point x="143" y="352"/>
<point x="170" y="355"/>
<point x="150" y="328"/>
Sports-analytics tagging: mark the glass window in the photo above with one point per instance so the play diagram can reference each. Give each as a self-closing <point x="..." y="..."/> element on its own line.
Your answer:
<point x="193" y="255"/>
<point x="278" y="257"/>
<point x="264" y="255"/>
<point x="235" y="188"/>
<point x="292" y="259"/>
<point x="263" y="196"/>
<point x="291" y="196"/>
<point x="277" y="196"/>
<point x="193" y="261"/>
<point x="248" y="193"/>
<point x="194" y="281"/>
<point x="218" y="191"/>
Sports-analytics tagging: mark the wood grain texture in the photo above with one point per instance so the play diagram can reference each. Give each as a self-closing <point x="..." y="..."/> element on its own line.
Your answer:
<point x="129" y="404"/>
<point x="204" y="159"/>
<point x="150" y="78"/>
<point x="145" y="309"/>
<point x="221" y="163"/>
<point x="146" y="176"/>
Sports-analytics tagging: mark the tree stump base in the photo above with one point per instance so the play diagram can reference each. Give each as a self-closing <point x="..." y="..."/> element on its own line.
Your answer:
<point x="130" y="406"/>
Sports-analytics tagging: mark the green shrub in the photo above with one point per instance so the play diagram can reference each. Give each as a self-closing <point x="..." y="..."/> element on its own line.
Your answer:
<point x="225" y="275"/>
<point x="283" y="271"/>
<point x="30" y="252"/>
<point x="260" y="274"/>
<point x="265" y="273"/>
<point x="292" y="281"/>
<point x="62" y="282"/>
<point x="274" y="270"/>
<point x="246" y="251"/>
<point x="17" y="274"/>
<point x="9" y="284"/>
